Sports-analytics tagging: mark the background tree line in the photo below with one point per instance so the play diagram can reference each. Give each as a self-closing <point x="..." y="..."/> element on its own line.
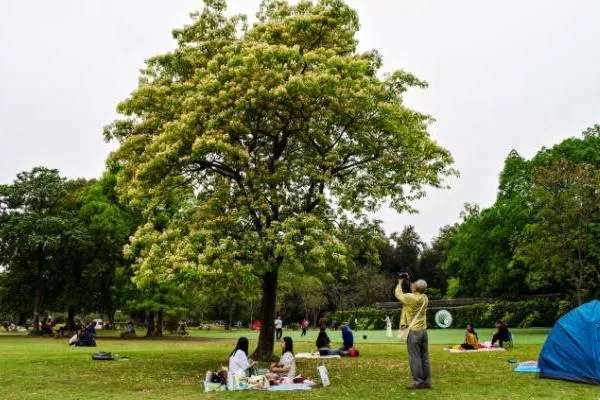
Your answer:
<point x="62" y="245"/>
<point x="542" y="233"/>
<point x="62" y="249"/>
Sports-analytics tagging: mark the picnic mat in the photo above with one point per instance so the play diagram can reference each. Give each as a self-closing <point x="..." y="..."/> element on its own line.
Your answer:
<point x="527" y="366"/>
<point x="291" y="386"/>
<point x="315" y="355"/>
<point x="451" y="350"/>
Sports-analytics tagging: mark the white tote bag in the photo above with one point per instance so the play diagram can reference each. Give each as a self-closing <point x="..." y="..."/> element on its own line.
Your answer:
<point x="322" y="369"/>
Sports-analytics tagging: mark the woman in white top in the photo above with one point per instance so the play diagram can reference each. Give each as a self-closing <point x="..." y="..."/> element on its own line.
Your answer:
<point x="285" y="370"/>
<point x="238" y="362"/>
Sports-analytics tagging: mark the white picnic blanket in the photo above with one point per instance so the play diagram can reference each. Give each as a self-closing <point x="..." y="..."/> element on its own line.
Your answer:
<point x="451" y="350"/>
<point x="315" y="355"/>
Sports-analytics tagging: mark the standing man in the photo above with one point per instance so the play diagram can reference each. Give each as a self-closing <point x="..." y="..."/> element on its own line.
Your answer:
<point x="278" y="327"/>
<point x="414" y="305"/>
<point x="322" y="322"/>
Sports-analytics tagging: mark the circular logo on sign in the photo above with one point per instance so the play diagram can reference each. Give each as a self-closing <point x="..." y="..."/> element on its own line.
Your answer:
<point x="443" y="318"/>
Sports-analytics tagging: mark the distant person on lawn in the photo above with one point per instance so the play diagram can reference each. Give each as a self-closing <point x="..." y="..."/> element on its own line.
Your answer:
<point x="471" y="339"/>
<point x="322" y="322"/>
<point x="502" y="333"/>
<point x="347" y="337"/>
<point x="388" y="326"/>
<point x="304" y="326"/>
<point x="278" y="328"/>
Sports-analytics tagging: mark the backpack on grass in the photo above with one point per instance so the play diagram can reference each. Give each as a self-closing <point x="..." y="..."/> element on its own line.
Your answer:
<point x="102" y="355"/>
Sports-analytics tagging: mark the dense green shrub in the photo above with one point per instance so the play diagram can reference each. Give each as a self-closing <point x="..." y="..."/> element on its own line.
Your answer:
<point x="521" y="314"/>
<point x="171" y="324"/>
<point x="59" y="318"/>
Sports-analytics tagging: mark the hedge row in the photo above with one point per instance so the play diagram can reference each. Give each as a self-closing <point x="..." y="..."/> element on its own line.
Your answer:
<point x="522" y="314"/>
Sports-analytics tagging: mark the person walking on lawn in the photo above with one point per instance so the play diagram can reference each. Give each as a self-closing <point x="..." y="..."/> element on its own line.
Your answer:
<point x="278" y="328"/>
<point x="415" y="305"/>
<point x="303" y="325"/>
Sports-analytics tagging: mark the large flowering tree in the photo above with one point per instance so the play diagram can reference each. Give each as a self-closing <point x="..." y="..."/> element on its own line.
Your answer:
<point x="266" y="134"/>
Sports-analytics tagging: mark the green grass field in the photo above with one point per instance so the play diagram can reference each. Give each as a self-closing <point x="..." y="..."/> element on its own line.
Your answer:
<point x="173" y="368"/>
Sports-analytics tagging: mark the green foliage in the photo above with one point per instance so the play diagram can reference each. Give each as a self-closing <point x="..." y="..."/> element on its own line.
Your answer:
<point x="172" y="324"/>
<point x="35" y="229"/>
<point x="542" y="231"/>
<point x="523" y="314"/>
<point x="61" y="242"/>
<point x="407" y="247"/>
<point x="432" y="258"/>
<point x="560" y="244"/>
<point x="453" y="288"/>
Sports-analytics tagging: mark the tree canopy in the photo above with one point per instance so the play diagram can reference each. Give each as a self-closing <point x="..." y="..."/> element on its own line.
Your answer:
<point x="273" y="130"/>
<point x="540" y="235"/>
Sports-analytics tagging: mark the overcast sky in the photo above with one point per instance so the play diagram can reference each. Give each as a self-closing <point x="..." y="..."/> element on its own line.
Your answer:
<point x="502" y="75"/>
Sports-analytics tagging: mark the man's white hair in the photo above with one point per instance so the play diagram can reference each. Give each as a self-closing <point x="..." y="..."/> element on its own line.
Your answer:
<point x="421" y="286"/>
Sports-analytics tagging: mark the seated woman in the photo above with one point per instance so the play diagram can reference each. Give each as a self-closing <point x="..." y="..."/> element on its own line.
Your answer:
<point x="471" y="339"/>
<point x="284" y="371"/>
<point x="323" y="345"/>
<point x="238" y="361"/>
<point x="502" y="334"/>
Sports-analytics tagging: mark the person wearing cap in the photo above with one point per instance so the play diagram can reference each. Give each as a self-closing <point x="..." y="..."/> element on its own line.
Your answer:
<point x="414" y="306"/>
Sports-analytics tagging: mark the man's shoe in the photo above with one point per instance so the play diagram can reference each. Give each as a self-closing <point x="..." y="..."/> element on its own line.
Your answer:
<point x="426" y="386"/>
<point x="413" y="386"/>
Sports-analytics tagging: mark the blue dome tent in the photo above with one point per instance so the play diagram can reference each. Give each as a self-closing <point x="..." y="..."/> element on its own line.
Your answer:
<point x="572" y="349"/>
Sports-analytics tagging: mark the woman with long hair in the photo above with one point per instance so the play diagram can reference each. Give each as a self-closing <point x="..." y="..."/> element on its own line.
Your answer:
<point x="471" y="339"/>
<point x="323" y="345"/>
<point x="238" y="361"/>
<point x="285" y="370"/>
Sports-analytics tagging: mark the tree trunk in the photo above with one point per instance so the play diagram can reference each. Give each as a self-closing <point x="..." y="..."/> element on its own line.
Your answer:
<point x="37" y="300"/>
<point x="111" y="317"/>
<point x="264" y="350"/>
<point x="71" y="326"/>
<point x="22" y="319"/>
<point x="36" y="310"/>
<point x="150" y="330"/>
<point x="158" y="329"/>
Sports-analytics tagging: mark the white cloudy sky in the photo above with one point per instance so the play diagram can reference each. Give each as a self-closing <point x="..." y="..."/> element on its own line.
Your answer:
<point x="502" y="74"/>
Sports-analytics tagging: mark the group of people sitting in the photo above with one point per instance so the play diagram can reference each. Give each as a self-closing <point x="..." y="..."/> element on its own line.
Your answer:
<point x="85" y="337"/>
<point x="324" y="344"/>
<point x="471" y="342"/>
<point x="9" y="326"/>
<point x="282" y="372"/>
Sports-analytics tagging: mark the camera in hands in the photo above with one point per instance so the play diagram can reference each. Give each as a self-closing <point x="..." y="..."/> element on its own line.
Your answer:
<point x="404" y="275"/>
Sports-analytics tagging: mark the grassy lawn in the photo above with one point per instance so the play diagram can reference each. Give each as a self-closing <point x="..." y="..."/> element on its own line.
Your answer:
<point x="45" y="368"/>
